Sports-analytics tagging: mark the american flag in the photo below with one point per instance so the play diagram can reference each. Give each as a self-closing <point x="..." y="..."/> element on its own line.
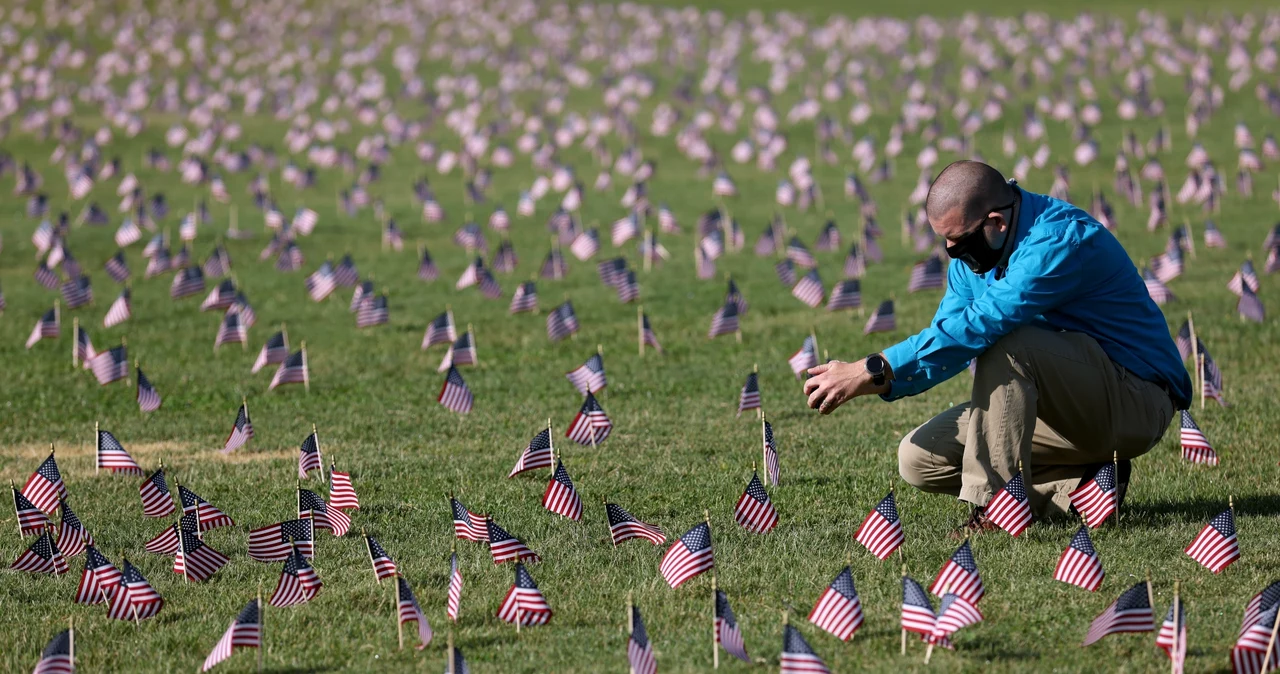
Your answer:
<point x="111" y="365"/>
<point x="623" y="526"/>
<point x="1211" y="377"/>
<point x="127" y="233"/>
<point x="98" y="580"/>
<point x="488" y="285"/>
<point x="954" y="613"/>
<point x="926" y="275"/>
<point x="207" y="516"/>
<point x="624" y="229"/>
<point x="157" y="501"/>
<point x="221" y="297"/>
<point x="454" y="394"/>
<point x="120" y="310"/>
<point x="883" y="320"/>
<point x="461" y="352"/>
<point x="628" y="288"/>
<point x="189" y="281"/>
<point x="1250" y="307"/>
<point x="470" y="236"/>
<point x="1216" y="547"/>
<point x="166" y="542"/>
<point x="846" y="294"/>
<point x="48" y="327"/>
<point x="524" y="602"/>
<point x="503" y="547"/>
<point x="805" y="358"/>
<point x="727" y="633"/>
<point x="1195" y="446"/>
<point x="705" y="265"/>
<point x="292" y="371"/>
<point x="427" y="270"/>
<point x="960" y="576"/>
<point x="440" y="331"/>
<point x="72" y="534"/>
<point x="1172" y="637"/>
<point x="1258" y="605"/>
<point x="1249" y="656"/>
<point x="148" y="398"/>
<point x="454" y="600"/>
<point x="346" y="274"/>
<point x="499" y="220"/>
<point x="276" y="542"/>
<point x="667" y="220"/>
<point x="320" y="283"/>
<point x="46" y="276"/>
<point x="646" y="333"/>
<point x="310" y="504"/>
<point x="467" y="525"/>
<point x="84" y="351"/>
<point x="160" y="263"/>
<point x="309" y="456"/>
<point x="591" y="426"/>
<point x="76" y="292"/>
<point x="459" y="662"/>
<point x="855" y="264"/>
<point x="809" y="289"/>
<point x="56" y="658"/>
<point x="1010" y="509"/>
<point x="590" y="376"/>
<point x="298" y="584"/>
<point x="42" y="556"/>
<point x="725" y="321"/>
<point x="113" y="457"/>
<point x="560" y="496"/>
<point x="373" y="311"/>
<point x="881" y="532"/>
<point x="1079" y="564"/>
<point x="31" y="520"/>
<point x="363" y="292"/>
<point x="218" y="264"/>
<point x="231" y="331"/>
<point x="786" y="271"/>
<point x="273" y="352"/>
<point x="749" y="398"/>
<point x="524" y="299"/>
<point x="538" y="454"/>
<point x="45" y="487"/>
<point x="917" y="610"/>
<point x="639" y="650"/>
<point x="754" y="511"/>
<point x="116" y="267"/>
<point x="839" y="611"/>
<point x="690" y="556"/>
<point x="723" y="186"/>
<point x="612" y="271"/>
<point x="244" y="632"/>
<point x="241" y="431"/>
<point x="341" y="494"/>
<point x="195" y="560"/>
<point x="1096" y="498"/>
<point x="735" y="295"/>
<point x="586" y="244"/>
<point x="828" y="238"/>
<point x="304" y="220"/>
<point x="554" y="266"/>
<point x="1168" y="265"/>
<point x="770" y="452"/>
<point x="1131" y="612"/>
<point x="383" y="565"/>
<point x="797" y="656"/>
<point x="408" y="610"/>
<point x="1246" y="276"/>
<point x="134" y="599"/>
<point x="799" y="254"/>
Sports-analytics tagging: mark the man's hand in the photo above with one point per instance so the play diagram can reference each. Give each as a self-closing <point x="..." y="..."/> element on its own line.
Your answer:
<point x="833" y="384"/>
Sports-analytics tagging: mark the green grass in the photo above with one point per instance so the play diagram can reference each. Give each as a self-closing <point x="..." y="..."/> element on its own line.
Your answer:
<point x="676" y="451"/>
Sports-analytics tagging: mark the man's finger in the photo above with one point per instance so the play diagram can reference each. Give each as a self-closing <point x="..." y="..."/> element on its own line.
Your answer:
<point x="810" y="385"/>
<point x="815" y="399"/>
<point x="819" y="369"/>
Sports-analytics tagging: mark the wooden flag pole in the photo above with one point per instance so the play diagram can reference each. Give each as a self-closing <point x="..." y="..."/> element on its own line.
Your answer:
<point x="97" y="448"/>
<point x="631" y="625"/>
<point x="474" y="348"/>
<point x="640" y="328"/>
<point x="75" y="342"/>
<point x="1177" y="627"/>
<point x="1152" y="603"/>
<point x="369" y="549"/>
<point x="1271" y="644"/>
<point x="449" y="652"/>
<point x="284" y="334"/>
<point x="262" y="626"/>
<point x="1200" y="369"/>
<point x="182" y="548"/>
<point x="928" y="652"/>
<point x="1195" y="354"/>
<point x="1191" y="242"/>
<point x="1115" y="466"/>
<point x="755" y="368"/>
<point x="306" y="376"/>
<point x="319" y="455"/>
<point x="904" y="630"/>
<point x="715" y="633"/>
<point x="551" y="445"/>
<point x="57" y="311"/>
<point x="71" y="641"/>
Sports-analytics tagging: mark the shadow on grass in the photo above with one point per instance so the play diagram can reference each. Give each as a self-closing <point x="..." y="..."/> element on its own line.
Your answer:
<point x="1198" y="509"/>
<point x="992" y="649"/>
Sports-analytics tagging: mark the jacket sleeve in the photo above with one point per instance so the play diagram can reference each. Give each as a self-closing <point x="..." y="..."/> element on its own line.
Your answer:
<point x="1044" y="272"/>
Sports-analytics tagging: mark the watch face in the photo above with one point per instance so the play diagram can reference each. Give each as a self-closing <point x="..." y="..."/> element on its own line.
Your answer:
<point x="875" y="365"/>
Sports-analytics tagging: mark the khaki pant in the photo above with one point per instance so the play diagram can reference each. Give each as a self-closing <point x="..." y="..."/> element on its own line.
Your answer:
<point x="1051" y="400"/>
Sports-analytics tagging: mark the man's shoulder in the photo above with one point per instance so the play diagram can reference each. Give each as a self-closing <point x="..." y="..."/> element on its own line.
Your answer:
<point x="1061" y="221"/>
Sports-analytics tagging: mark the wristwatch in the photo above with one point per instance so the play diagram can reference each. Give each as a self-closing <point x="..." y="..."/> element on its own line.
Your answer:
<point x="875" y="367"/>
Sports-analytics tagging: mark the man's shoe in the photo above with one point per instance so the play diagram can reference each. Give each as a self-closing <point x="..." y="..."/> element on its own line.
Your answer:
<point x="978" y="523"/>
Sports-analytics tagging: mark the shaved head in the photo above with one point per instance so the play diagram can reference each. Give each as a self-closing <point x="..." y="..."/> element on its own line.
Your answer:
<point x="963" y="193"/>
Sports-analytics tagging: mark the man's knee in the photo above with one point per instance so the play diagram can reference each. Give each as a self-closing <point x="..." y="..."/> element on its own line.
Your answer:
<point x="913" y="462"/>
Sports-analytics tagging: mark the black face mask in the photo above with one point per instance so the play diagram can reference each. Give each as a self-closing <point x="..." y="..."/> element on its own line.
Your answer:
<point x="973" y="250"/>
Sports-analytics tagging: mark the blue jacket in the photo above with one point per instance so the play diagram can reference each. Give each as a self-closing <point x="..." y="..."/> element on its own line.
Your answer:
<point x="1066" y="272"/>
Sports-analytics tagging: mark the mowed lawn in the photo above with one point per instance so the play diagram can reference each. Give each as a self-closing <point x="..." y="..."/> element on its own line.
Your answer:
<point x="677" y="448"/>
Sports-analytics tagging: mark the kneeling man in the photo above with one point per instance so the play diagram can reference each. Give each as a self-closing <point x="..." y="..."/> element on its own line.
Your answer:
<point x="1075" y="364"/>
